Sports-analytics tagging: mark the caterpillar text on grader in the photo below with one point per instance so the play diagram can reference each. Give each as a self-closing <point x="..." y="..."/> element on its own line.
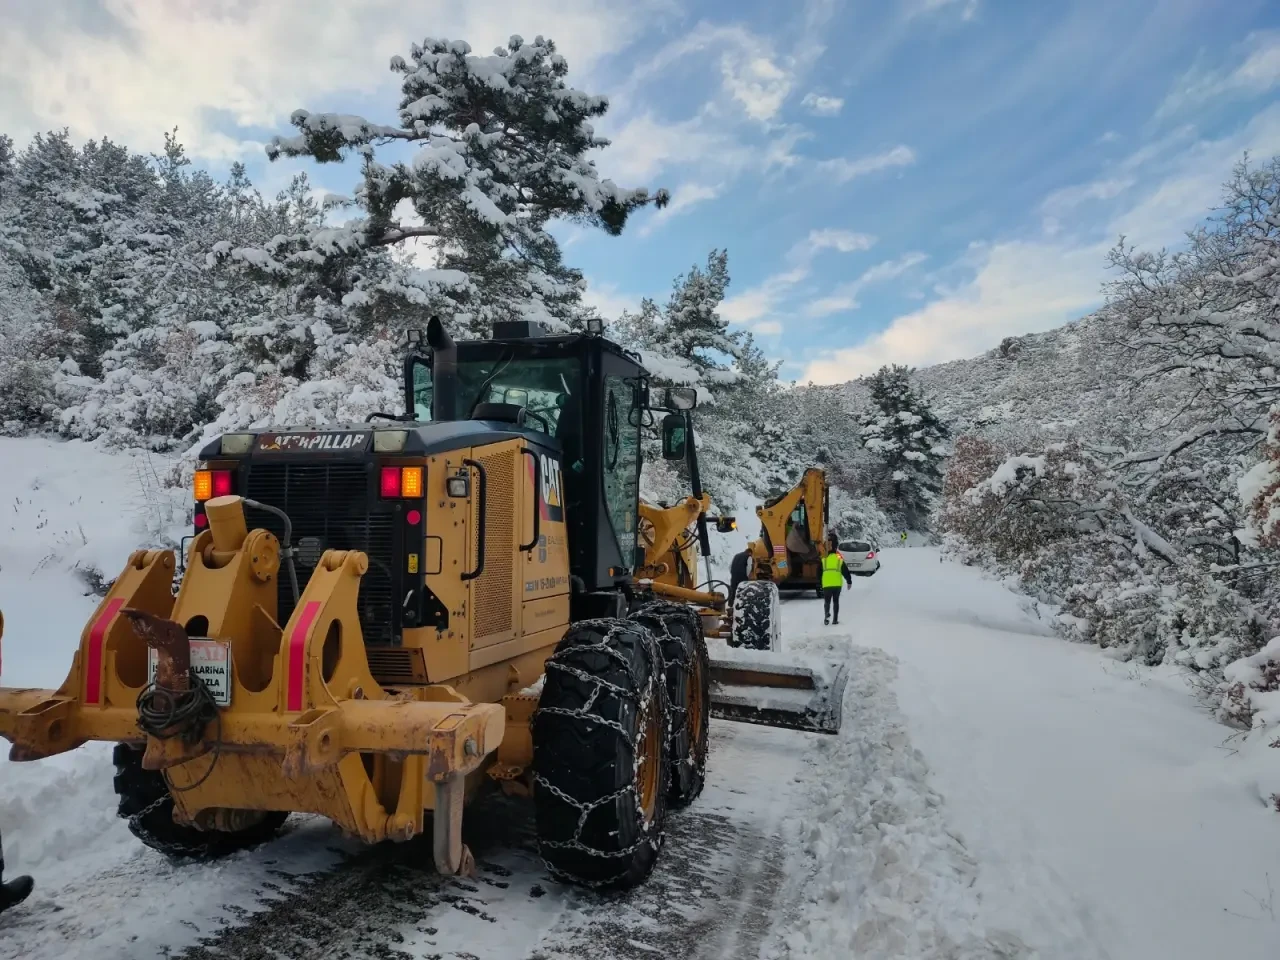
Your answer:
<point x="471" y="616"/>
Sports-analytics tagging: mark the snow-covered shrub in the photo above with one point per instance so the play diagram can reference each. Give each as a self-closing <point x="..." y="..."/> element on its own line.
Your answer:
<point x="858" y="518"/>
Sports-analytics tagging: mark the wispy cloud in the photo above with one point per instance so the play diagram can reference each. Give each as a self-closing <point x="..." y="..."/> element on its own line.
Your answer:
<point x="844" y="169"/>
<point x="821" y="105"/>
<point x="919" y="8"/>
<point x="828" y="238"/>
<point x="683" y="199"/>
<point x="1256" y="70"/>
<point x="845" y="296"/>
<point x="1062" y="202"/>
<point x="1021" y="286"/>
<point x="758" y="303"/>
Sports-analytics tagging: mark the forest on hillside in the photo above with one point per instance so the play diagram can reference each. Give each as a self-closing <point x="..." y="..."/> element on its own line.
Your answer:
<point x="1124" y="470"/>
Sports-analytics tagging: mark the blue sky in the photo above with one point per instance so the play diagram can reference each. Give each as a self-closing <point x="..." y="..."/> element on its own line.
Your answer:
<point x="899" y="180"/>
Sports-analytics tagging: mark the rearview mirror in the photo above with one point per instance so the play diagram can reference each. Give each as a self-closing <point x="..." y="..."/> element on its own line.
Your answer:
<point x="517" y="396"/>
<point x="681" y="398"/>
<point x="675" y="437"/>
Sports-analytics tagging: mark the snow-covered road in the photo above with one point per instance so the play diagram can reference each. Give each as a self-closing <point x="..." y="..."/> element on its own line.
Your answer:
<point x="995" y="793"/>
<point x="1099" y="800"/>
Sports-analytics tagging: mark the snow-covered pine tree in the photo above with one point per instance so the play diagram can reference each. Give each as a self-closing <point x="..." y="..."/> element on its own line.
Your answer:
<point x="501" y="146"/>
<point x="907" y="439"/>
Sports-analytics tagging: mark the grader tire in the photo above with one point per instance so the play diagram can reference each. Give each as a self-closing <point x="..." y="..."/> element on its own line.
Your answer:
<point x="756" y="616"/>
<point x="678" y="629"/>
<point x="600" y="769"/>
<point x="145" y="802"/>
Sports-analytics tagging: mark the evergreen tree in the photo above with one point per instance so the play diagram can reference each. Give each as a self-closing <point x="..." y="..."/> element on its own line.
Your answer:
<point x="502" y="146"/>
<point x="906" y="438"/>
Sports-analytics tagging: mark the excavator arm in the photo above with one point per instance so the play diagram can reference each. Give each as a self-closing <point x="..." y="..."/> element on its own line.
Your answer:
<point x="770" y="553"/>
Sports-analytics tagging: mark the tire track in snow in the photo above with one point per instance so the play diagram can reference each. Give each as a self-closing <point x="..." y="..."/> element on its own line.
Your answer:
<point x="309" y="895"/>
<point x="890" y="879"/>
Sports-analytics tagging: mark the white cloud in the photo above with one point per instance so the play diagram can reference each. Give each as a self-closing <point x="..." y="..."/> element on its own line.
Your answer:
<point x="759" y="301"/>
<point x="131" y="69"/>
<point x="844" y="169"/>
<point x="825" y="306"/>
<point x="1109" y="137"/>
<point x="844" y="241"/>
<point x="683" y="198"/>
<point x="1257" y="71"/>
<point x="822" y="106"/>
<point x="845" y="296"/>
<point x="919" y="8"/>
<point x="767" y="327"/>
<point x="756" y="82"/>
<point x="763" y="299"/>
<point x="1021" y="287"/>
<point x="645" y="146"/>
<point x="608" y="301"/>
<point x="1024" y="286"/>
<point x="1063" y="201"/>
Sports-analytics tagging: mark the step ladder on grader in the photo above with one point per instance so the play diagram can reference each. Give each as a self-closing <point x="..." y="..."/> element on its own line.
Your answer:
<point x="376" y="621"/>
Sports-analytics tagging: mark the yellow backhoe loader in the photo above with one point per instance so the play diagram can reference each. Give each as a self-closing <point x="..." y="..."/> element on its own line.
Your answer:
<point x="376" y="621"/>
<point x="793" y="535"/>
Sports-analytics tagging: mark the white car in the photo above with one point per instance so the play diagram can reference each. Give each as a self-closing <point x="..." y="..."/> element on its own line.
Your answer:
<point x="861" y="557"/>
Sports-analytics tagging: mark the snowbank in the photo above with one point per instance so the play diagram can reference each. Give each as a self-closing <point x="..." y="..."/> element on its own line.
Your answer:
<point x="72" y="513"/>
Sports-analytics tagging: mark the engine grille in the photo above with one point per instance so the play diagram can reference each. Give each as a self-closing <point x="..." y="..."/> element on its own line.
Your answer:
<point x="332" y="504"/>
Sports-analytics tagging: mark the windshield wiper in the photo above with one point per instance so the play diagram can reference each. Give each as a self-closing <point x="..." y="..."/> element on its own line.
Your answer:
<point x="500" y="365"/>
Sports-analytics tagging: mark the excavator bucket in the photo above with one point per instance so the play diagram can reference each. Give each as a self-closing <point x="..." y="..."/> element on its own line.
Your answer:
<point x="779" y="695"/>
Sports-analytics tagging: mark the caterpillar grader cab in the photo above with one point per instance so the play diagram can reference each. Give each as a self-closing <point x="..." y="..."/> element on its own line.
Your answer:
<point x="377" y="621"/>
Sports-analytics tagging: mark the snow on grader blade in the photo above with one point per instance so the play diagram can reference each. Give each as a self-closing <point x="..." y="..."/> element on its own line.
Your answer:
<point x="779" y="695"/>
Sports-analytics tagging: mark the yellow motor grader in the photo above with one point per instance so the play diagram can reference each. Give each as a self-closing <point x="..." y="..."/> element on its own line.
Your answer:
<point x="376" y="621"/>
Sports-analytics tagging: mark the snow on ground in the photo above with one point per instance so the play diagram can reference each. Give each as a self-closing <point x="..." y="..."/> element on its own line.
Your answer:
<point x="66" y="510"/>
<point x="1102" y="813"/>
<point x="994" y="793"/>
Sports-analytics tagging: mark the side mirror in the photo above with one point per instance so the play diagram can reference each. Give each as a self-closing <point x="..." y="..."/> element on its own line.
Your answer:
<point x="516" y="395"/>
<point x="726" y="524"/>
<point x="675" y="437"/>
<point x="681" y="398"/>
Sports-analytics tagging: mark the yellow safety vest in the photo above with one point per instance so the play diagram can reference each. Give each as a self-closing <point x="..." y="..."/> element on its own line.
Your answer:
<point x="831" y="565"/>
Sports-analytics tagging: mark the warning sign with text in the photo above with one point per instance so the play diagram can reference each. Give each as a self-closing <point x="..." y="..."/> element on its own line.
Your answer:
<point x="211" y="662"/>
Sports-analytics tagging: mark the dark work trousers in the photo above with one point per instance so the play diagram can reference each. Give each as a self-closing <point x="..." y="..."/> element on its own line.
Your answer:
<point x="830" y="600"/>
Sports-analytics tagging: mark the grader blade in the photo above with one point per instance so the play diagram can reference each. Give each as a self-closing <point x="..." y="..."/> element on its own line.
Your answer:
<point x="779" y="695"/>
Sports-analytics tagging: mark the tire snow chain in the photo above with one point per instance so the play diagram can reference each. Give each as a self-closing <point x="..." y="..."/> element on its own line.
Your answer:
<point x="585" y="809"/>
<point x="677" y="712"/>
<point x="169" y="847"/>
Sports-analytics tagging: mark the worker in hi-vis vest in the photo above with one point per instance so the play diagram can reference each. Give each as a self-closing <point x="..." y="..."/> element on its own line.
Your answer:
<point x="834" y="569"/>
<point x="18" y="889"/>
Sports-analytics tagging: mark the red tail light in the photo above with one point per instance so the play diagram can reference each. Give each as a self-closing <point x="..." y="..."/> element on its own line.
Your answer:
<point x="871" y="555"/>
<point x="207" y="484"/>
<point x="390" y="481"/>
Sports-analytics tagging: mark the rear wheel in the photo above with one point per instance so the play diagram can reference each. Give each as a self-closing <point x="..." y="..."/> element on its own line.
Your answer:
<point x="757" y="624"/>
<point x="678" y="629"/>
<point x="600" y="768"/>
<point x="144" y="801"/>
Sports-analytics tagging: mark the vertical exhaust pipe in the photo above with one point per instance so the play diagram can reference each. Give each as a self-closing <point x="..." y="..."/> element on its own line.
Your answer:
<point x="444" y="371"/>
